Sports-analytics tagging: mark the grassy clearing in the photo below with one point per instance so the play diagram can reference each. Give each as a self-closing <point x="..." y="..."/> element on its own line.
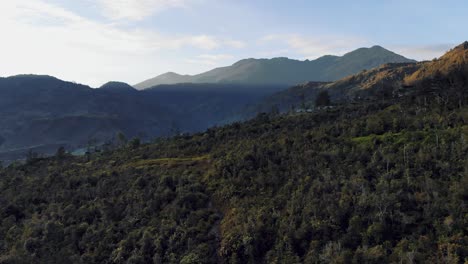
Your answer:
<point x="167" y="161"/>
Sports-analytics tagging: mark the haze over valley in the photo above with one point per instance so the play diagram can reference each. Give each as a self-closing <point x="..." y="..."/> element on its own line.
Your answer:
<point x="43" y="112"/>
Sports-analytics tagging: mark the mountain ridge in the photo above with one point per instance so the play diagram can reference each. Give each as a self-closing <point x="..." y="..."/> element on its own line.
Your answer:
<point x="384" y="81"/>
<point x="38" y="110"/>
<point x="115" y="86"/>
<point x="378" y="180"/>
<point x="282" y="70"/>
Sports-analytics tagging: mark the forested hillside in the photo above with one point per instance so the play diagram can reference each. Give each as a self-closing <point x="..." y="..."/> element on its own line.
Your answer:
<point x="386" y="81"/>
<point x="41" y="113"/>
<point x="373" y="181"/>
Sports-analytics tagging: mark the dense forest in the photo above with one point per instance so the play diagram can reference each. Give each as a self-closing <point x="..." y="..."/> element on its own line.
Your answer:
<point x="378" y="180"/>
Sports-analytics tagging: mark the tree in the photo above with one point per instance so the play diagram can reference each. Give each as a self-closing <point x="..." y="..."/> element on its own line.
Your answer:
<point x="275" y="110"/>
<point x="121" y="138"/>
<point x="92" y="142"/>
<point x="31" y="156"/>
<point x="61" y="153"/>
<point x="323" y="99"/>
<point x="302" y="99"/>
<point x="135" y="143"/>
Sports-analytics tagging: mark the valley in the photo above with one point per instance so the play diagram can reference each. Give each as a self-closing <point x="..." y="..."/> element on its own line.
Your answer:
<point x="380" y="177"/>
<point x="41" y="113"/>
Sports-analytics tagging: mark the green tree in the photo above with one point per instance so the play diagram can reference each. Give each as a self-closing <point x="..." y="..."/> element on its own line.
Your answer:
<point x="135" y="143"/>
<point x="121" y="139"/>
<point x="322" y="99"/>
<point x="31" y="156"/>
<point x="61" y="153"/>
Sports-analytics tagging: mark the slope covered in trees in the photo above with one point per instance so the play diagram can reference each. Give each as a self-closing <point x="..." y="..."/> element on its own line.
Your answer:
<point x="386" y="81"/>
<point x="372" y="181"/>
<point x="42" y="112"/>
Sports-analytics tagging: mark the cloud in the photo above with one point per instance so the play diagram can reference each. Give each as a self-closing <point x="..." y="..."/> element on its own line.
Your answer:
<point x="43" y="38"/>
<point x="308" y="47"/>
<point x="215" y="57"/>
<point x="422" y="52"/>
<point x="235" y="44"/>
<point x="203" y="42"/>
<point x="138" y="9"/>
<point x="210" y="59"/>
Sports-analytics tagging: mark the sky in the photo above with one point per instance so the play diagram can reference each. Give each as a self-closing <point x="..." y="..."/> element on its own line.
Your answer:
<point x="95" y="41"/>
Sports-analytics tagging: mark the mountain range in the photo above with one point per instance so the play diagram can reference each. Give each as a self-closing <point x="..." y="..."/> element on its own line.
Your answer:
<point x="43" y="112"/>
<point x="286" y="71"/>
<point x="376" y="174"/>
<point x="387" y="80"/>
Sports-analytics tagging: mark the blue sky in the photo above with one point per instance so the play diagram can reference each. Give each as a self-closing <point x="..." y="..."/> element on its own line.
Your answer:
<point x="92" y="42"/>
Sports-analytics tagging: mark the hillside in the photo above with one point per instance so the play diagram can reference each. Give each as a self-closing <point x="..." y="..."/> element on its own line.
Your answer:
<point x="166" y="78"/>
<point x="454" y="61"/>
<point x="42" y="113"/>
<point x="118" y="87"/>
<point x="386" y="81"/>
<point x="284" y="71"/>
<point x="376" y="181"/>
<point x="291" y="99"/>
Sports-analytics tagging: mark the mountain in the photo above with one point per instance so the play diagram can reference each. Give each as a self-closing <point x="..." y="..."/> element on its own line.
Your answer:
<point x="118" y="87"/>
<point x="166" y="78"/>
<point x="42" y="113"/>
<point x="284" y="71"/>
<point x="387" y="80"/>
<point x="453" y="62"/>
<point x="379" y="179"/>
<point x="200" y="106"/>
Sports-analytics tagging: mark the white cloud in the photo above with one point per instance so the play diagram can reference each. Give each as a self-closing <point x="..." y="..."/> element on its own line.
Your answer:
<point x="43" y="38"/>
<point x="211" y="59"/>
<point x="235" y="44"/>
<point x="203" y="42"/>
<point x="314" y="47"/>
<point x="215" y="57"/>
<point x="138" y="9"/>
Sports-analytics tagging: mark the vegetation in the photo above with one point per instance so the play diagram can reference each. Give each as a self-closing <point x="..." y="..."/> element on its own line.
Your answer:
<point x="42" y="113"/>
<point x="366" y="181"/>
<point x="374" y="182"/>
<point x="323" y="99"/>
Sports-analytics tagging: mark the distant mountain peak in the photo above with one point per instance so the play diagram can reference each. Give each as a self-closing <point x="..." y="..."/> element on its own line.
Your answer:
<point x="32" y="76"/>
<point x="377" y="47"/>
<point x="117" y="87"/>
<point x="244" y="61"/>
<point x="172" y="74"/>
<point x="328" y="56"/>
<point x="165" y="78"/>
<point x="377" y="50"/>
<point x="280" y="58"/>
<point x="285" y="71"/>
